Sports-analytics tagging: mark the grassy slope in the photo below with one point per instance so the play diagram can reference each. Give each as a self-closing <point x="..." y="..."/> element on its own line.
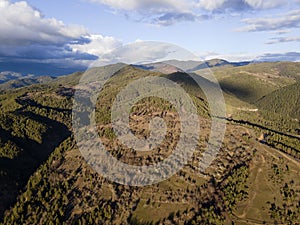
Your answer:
<point x="250" y="83"/>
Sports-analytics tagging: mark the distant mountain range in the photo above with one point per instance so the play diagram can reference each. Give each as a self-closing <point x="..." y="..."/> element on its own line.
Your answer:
<point x="250" y="81"/>
<point x="23" y="82"/>
<point x="8" y="75"/>
<point x="20" y="75"/>
<point x="172" y="66"/>
<point x="42" y="69"/>
<point x="191" y="66"/>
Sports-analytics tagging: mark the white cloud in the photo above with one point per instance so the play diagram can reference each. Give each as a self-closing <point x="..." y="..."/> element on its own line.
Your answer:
<point x="232" y="57"/>
<point x="20" y="24"/>
<point x="188" y="5"/>
<point x="255" y="57"/>
<point x="27" y="36"/>
<point x="145" y="52"/>
<point x="98" y="45"/>
<point x="265" y="4"/>
<point x="211" y="5"/>
<point x="171" y="18"/>
<point x="286" y="21"/>
<point x="275" y="57"/>
<point x="283" y="40"/>
<point x="160" y="12"/>
<point x="241" y="5"/>
<point x="25" y="32"/>
<point x="157" y="6"/>
<point x="168" y="12"/>
<point x="280" y="32"/>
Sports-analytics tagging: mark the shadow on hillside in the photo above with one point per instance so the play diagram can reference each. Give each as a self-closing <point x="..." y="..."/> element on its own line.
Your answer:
<point x="18" y="170"/>
<point x="192" y="83"/>
<point x="239" y="92"/>
<point x="30" y="102"/>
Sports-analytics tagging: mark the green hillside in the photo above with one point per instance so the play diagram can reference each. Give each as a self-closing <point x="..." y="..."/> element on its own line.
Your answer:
<point x="29" y="131"/>
<point x="285" y="101"/>
<point x="45" y="180"/>
<point x="251" y="82"/>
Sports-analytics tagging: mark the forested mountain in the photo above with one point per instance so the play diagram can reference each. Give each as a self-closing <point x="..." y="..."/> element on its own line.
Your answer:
<point x="285" y="101"/>
<point x="44" y="179"/>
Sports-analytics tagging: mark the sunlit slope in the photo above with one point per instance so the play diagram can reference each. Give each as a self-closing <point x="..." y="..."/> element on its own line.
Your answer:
<point x="252" y="82"/>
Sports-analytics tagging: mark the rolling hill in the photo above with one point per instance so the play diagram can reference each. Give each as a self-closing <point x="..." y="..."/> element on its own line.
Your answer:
<point x="44" y="179"/>
<point x="251" y="82"/>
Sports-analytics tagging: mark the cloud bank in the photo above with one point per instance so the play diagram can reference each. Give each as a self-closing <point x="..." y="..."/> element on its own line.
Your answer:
<point x="280" y="22"/>
<point x="273" y="57"/>
<point x="27" y="38"/>
<point x="141" y="52"/>
<point x="168" y="12"/>
<point x="277" y="40"/>
<point x="31" y="27"/>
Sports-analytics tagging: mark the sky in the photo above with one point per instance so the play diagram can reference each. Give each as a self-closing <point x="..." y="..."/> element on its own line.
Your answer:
<point x="71" y="34"/>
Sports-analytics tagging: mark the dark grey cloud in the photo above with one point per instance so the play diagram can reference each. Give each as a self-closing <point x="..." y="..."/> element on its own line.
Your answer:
<point x="41" y="68"/>
<point x="40" y="59"/>
<point x="44" y="52"/>
<point x="44" y="60"/>
<point x="32" y="43"/>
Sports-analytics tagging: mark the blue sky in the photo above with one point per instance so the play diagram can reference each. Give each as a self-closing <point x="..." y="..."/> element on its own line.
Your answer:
<point x="76" y="32"/>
